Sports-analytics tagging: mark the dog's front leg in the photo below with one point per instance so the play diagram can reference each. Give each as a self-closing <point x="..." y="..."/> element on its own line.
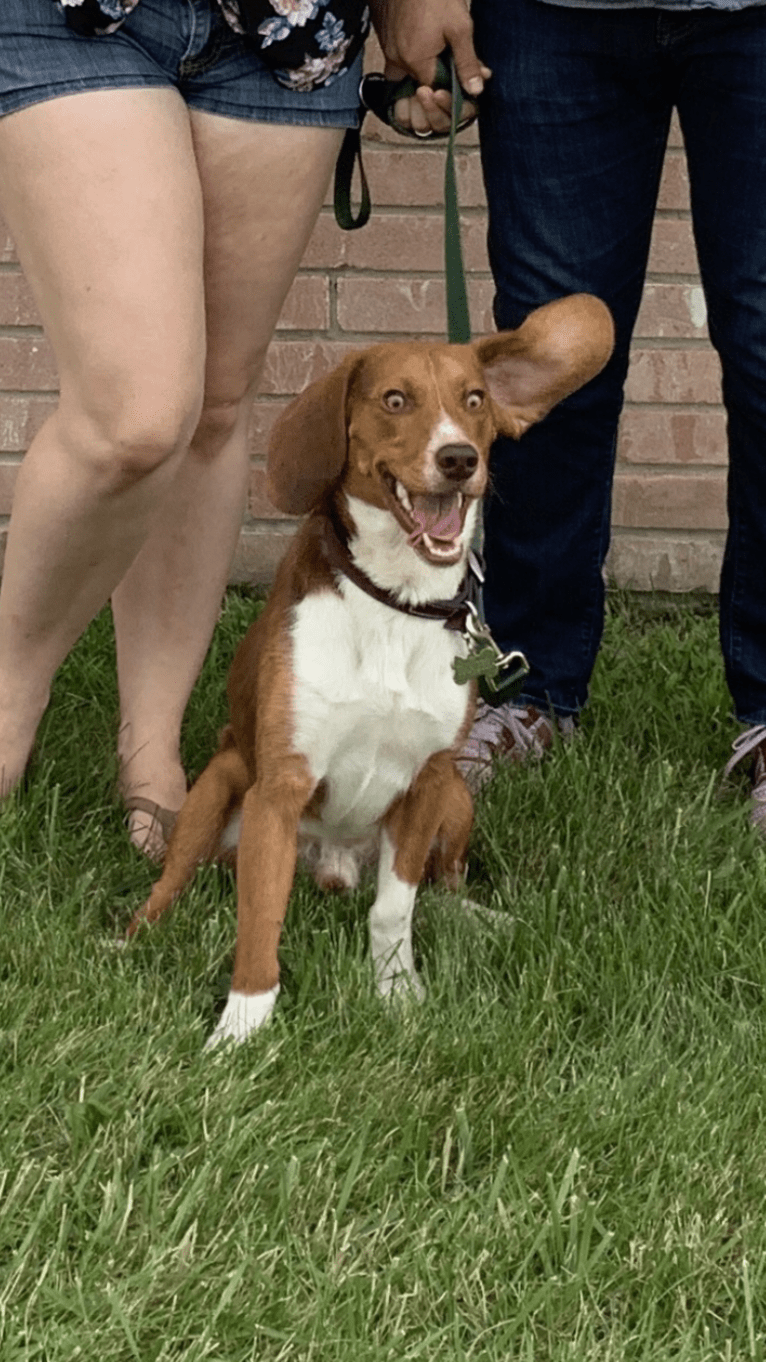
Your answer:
<point x="391" y="927"/>
<point x="266" y="856"/>
<point x="435" y="814"/>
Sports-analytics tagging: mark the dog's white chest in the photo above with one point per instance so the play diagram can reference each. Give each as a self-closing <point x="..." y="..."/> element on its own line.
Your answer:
<point x="375" y="696"/>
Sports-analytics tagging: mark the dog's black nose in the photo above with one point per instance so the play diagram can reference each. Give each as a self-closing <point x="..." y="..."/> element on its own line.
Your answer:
<point x="457" y="462"/>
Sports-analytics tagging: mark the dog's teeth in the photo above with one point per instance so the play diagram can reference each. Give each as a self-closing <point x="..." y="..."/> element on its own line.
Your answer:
<point x="403" y="496"/>
<point x="438" y="550"/>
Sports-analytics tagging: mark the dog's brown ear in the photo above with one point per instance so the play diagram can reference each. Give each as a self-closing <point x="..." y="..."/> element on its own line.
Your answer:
<point x="553" y="353"/>
<point x="308" y="444"/>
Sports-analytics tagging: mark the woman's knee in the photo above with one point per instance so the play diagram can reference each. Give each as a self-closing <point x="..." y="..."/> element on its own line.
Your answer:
<point x="225" y="412"/>
<point x="127" y="434"/>
<point x="219" y="419"/>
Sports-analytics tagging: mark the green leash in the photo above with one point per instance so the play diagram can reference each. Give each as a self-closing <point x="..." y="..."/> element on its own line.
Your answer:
<point x="499" y="676"/>
<point x="349" y="157"/>
<point x="379" y="96"/>
<point x="458" y="320"/>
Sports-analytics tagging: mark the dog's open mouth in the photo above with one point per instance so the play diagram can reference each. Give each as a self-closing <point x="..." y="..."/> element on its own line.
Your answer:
<point x="433" y="522"/>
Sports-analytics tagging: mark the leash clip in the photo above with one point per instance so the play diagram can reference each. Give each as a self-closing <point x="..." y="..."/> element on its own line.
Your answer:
<point x="498" y="675"/>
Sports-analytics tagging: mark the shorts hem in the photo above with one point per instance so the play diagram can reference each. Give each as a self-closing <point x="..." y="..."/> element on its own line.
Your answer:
<point x="43" y="94"/>
<point x="305" y="118"/>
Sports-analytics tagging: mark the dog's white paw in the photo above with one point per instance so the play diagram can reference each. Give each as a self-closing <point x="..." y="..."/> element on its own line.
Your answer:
<point x="401" y="985"/>
<point x="243" y="1014"/>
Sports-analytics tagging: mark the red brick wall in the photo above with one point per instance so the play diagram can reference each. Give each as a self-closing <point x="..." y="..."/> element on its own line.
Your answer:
<point x="385" y="281"/>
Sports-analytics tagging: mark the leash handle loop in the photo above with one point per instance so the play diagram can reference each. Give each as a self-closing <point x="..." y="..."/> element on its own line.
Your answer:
<point x="379" y="96"/>
<point x="351" y="153"/>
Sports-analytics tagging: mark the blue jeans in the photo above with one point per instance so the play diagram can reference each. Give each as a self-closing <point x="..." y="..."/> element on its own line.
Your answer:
<point x="573" y="128"/>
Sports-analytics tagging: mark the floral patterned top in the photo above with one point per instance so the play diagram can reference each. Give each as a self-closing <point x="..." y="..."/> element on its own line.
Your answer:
<point x="306" y="43"/>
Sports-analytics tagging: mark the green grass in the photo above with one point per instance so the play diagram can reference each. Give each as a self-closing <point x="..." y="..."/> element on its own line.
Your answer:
<point x="559" y="1155"/>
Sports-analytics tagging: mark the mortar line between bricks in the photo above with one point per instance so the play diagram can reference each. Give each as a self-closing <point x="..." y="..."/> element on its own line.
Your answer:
<point x="672" y="535"/>
<point x="413" y="210"/>
<point x="426" y="275"/>
<point x="670" y="343"/>
<point x="710" y="472"/>
<point x="677" y="277"/>
<point x="373" y="338"/>
<point x="376" y="272"/>
<point x="21" y="332"/>
<point x="673" y="408"/>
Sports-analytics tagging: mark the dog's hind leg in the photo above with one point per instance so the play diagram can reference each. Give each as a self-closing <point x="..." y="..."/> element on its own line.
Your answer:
<point x="197" y="834"/>
<point x="437" y="809"/>
<point x="446" y="858"/>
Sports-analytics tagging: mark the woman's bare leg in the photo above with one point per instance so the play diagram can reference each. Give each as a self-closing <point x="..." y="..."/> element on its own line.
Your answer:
<point x="101" y="193"/>
<point x="262" y="188"/>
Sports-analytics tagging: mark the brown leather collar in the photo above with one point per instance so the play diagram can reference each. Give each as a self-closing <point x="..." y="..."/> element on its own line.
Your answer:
<point x="453" y="613"/>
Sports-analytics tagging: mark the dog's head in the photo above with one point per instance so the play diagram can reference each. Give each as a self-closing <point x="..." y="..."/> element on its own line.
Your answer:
<point x="408" y="426"/>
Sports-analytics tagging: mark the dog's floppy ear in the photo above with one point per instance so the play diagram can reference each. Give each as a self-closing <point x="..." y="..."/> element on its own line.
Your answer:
<point x="553" y="353"/>
<point x="308" y="444"/>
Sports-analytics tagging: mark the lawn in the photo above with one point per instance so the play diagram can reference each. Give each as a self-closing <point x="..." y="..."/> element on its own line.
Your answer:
<point x="559" y="1155"/>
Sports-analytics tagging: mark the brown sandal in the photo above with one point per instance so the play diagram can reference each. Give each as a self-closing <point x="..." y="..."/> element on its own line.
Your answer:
<point x="164" y="818"/>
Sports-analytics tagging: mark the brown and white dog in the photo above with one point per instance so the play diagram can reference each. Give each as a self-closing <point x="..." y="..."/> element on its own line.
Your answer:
<point x="345" y="716"/>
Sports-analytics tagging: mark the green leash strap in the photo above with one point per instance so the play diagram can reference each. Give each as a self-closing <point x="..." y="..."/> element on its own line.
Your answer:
<point x="350" y="154"/>
<point x="458" y="320"/>
<point x="499" y="676"/>
<point x="379" y="96"/>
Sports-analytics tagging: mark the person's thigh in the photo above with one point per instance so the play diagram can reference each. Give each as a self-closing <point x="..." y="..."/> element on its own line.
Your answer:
<point x="573" y="127"/>
<point x="722" y="107"/>
<point x="265" y="153"/>
<point x="262" y="185"/>
<point x="101" y="193"/>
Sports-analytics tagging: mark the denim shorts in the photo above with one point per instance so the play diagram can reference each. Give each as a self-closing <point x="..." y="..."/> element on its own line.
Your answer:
<point x="185" y="44"/>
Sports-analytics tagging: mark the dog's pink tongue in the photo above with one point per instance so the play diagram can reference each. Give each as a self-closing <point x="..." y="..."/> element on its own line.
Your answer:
<point x="436" y="523"/>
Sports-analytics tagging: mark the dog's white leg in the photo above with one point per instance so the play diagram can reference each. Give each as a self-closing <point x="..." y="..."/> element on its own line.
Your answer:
<point x="391" y="928"/>
<point x="243" y="1014"/>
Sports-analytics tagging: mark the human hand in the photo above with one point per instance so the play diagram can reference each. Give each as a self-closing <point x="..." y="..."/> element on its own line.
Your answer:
<point x="412" y="33"/>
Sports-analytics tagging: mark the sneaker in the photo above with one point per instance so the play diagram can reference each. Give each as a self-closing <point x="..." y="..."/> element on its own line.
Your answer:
<point x="752" y="743"/>
<point x="512" y="733"/>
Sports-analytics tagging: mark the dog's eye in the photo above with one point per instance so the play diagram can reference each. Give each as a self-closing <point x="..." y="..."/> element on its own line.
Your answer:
<point x="475" y="399"/>
<point x="394" y="400"/>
